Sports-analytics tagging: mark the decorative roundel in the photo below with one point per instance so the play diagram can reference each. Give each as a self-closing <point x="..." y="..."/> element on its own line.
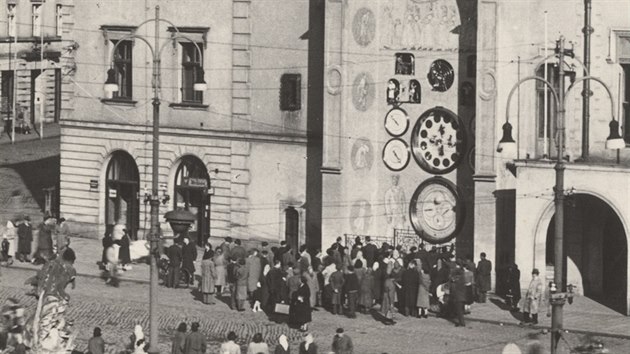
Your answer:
<point x="396" y="154"/>
<point x="363" y="91"/>
<point x="438" y="141"/>
<point x="396" y="122"/>
<point x="364" y="26"/>
<point x="436" y="211"/>
<point x="441" y="75"/>
<point x="362" y="154"/>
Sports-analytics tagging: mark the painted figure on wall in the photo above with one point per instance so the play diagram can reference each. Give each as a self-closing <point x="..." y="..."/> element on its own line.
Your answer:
<point x="360" y="216"/>
<point x="395" y="202"/>
<point x="415" y="93"/>
<point x="393" y="90"/>
<point x="363" y="91"/>
<point x="361" y="155"/>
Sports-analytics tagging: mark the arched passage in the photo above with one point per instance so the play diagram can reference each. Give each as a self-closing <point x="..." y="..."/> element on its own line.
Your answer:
<point x="596" y="250"/>
<point x="121" y="193"/>
<point x="191" y="193"/>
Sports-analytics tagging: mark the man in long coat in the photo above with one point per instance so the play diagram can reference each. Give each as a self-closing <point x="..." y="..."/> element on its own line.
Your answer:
<point x="174" y="254"/>
<point x="277" y="285"/>
<point x="533" y="298"/>
<point x="254" y="270"/>
<point x="483" y="278"/>
<point x="410" y="281"/>
<point x="457" y="295"/>
<point x="25" y="237"/>
<point x="189" y="256"/>
<point x="370" y="251"/>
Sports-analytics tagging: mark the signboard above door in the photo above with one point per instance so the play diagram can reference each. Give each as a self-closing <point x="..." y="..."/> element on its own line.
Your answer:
<point x="195" y="182"/>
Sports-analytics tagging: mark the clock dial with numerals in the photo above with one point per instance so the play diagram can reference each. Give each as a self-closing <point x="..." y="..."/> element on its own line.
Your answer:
<point x="438" y="141"/>
<point x="435" y="211"/>
<point x="396" y="122"/>
<point x="441" y="75"/>
<point x="396" y="154"/>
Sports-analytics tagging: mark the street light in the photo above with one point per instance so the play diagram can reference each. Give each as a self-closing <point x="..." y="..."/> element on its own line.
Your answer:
<point x="507" y="143"/>
<point x="112" y="86"/>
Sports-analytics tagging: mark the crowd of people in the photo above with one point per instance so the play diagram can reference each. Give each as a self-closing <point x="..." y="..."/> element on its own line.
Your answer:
<point x="364" y="278"/>
<point x="19" y="244"/>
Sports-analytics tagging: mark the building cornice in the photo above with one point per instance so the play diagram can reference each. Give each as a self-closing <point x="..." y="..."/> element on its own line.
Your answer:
<point x="263" y="137"/>
<point x="592" y="166"/>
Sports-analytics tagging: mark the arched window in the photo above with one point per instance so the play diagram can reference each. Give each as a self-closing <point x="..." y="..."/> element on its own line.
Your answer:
<point x="122" y="193"/>
<point x="191" y="193"/>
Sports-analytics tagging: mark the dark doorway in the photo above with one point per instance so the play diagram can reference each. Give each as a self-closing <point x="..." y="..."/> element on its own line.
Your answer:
<point x="34" y="75"/>
<point x="292" y="228"/>
<point x="191" y="193"/>
<point x="595" y="242"/>
<point x="121" y="193"/>
<point x="57" y="98"/>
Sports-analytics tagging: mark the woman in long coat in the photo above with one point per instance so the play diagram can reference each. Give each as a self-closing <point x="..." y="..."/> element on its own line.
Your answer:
<point x="377" y="286"/>
<point x="208" y="275"/>
<point x="241" y="284"/>
<point x="366" y="285"/>
<point x="313" y="285"/>
<point x="389" y="293"/>
<point x="423" y="301"/>
<point x="219" y="267"/>
<point x="300" y="307"/>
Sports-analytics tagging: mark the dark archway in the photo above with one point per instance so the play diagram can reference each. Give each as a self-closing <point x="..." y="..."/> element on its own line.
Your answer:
<point x="595" y="242"/>
<point x="292" y="228"/>
<point x="191" y="193"/>
<point x="121" y="193"/>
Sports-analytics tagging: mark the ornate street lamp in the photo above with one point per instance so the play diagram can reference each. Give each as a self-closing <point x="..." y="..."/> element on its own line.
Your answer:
<point x="112" y="86"/>
<point x="507" y="143"/>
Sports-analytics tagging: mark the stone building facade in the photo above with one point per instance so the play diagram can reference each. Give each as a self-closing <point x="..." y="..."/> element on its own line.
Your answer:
<point x="234" y="155"/>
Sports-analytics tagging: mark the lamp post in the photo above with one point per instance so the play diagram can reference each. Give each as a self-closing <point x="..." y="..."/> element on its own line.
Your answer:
<point x="111" y="85"/>
<point x="508" y="145"/>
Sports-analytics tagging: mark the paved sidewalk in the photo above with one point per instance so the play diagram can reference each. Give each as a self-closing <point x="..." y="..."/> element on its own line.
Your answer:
<point x="584" y="315"/>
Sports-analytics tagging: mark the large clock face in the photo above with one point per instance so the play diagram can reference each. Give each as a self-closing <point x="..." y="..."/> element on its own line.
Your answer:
<point x="435" y="211"/>
<point x="438" y="141"/>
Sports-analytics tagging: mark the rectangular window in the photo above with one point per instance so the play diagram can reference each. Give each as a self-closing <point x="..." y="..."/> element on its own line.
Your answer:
<point x="37" y="20"/>
<point x="59" y="20"/>
<point x="291" y="92"/>
<point x="553" y="78"/>
<point x="11" y="19"/>
<point x="625" y="119"/>
<point x="6" y="96"/>
<point x="123" y="69"/>
<point x="191" y="62"/>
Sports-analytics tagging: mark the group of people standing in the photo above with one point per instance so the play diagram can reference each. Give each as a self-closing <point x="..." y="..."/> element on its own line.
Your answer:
<point x="116" y="255"/>
<point x="52" y="238"/>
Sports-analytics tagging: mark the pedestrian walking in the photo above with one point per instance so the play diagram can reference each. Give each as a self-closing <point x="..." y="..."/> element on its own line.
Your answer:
<point x="410" y="282"/>
<point x="179" y="339"/>
<point x="342" y="344"/>
<point x="241" y="284"/>
<point x="513" y="286"/>
<point x="257" y="345"/>
<point x="112" y="264"/>
<point x="174" y="254"/>
<point x="533" y="298"/>
<point x="45" y="242"/>
<point x="230" y="346"/>
<point x="125" y="254"/>
<point x="283" y="345"/>
<point x="189" y="256"/>
<point x="62" y="235"/>
<point x="300" y="307"/>
<point x="220" y="262"/>
<point x="107" y="241"/>
<point x="308" y="346"/>
<point x="254" y="270"/>
<point x="457" y="296"/>
<point x="195" y="342"/>
<point x="25" y="237"/>
<point x="96" y="344"/>
<point x="483" y="277"/>
<point x="208" y="275"/>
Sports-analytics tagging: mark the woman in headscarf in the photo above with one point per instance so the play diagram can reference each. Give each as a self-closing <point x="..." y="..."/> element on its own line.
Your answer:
<point x="219" y="267"/>
<point x="300" y="308"/>
<point x="208" y="274"/>
<point x="308" y="346"/>
<point x="283" y="346"/>
<point x="137" y="335"/>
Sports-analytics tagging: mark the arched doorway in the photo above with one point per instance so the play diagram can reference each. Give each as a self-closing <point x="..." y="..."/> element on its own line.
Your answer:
<point x="292" y="228"/>
<point x="191" y="193"/>
<point x="121" y="193"/>
<point x="596" y="250"/>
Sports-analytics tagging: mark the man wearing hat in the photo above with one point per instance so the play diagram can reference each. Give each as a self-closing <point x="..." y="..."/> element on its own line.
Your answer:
<point x="533" y="298"/>
<point x="342" y="344"/>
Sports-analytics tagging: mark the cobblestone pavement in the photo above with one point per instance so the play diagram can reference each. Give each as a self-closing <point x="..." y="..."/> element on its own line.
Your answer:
<point x="117" y="310"/>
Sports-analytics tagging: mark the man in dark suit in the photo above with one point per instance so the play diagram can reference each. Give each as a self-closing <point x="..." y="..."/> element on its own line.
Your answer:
<point x="370" y="251"/>
<point x="174" y="254"/>
<point x="189" y="256"/>
<point x="195" y="342"/>
<point x="483" y="277"/>
<point x="238" y="251"/>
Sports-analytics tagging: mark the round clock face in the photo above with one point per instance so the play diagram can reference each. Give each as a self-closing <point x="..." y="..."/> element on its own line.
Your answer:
<point x="435" y="210"/>
<point x="441" y="75"/>
<point x="396" y="122"/>
<point x="396" y="154"/>
<point x="438" y="141"/>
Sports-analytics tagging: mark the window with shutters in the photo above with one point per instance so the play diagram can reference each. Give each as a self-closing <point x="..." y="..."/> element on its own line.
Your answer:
<point x="290" y="92"/>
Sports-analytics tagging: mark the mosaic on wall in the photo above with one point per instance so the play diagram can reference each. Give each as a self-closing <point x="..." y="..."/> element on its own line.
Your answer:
<point x="420" y="25"/>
